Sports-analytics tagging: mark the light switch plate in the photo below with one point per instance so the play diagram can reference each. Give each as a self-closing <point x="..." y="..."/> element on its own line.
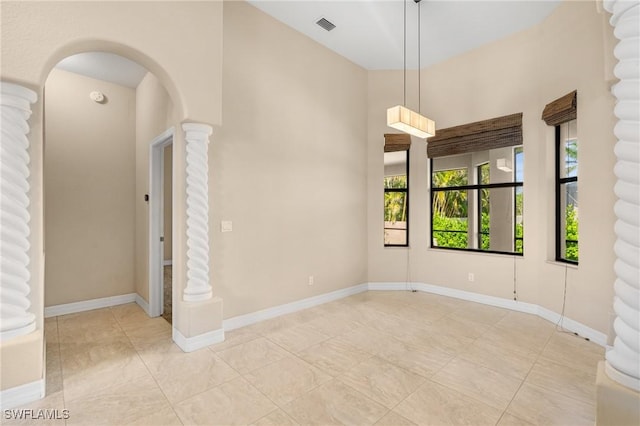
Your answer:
<point x="226" y="226"/>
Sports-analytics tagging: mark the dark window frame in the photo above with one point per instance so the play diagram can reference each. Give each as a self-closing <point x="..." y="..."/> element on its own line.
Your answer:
<point x="561" y="215"/>
<point x="477" y="188"/>
<point x="406" y="192"/>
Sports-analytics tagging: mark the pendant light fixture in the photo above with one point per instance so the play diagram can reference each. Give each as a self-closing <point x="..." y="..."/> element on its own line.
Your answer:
<point x="400" y="117"/>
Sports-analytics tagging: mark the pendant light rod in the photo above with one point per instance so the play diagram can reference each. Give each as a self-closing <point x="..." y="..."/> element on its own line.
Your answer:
<point x="404" y="56"/>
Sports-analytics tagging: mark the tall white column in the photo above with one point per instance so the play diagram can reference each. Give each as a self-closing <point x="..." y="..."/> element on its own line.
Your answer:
<point x="623" y="360"/>
<point x="198" y="287"/>
<point x="15" y="110"/>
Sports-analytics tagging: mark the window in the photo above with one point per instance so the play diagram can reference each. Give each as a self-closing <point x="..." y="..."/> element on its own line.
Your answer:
<point x="484" y="214"/>
<point x="396" y="198"/>
<point x="477" y="186"/>
<point x="567" y="192"/>
<point x="562" y="114"/>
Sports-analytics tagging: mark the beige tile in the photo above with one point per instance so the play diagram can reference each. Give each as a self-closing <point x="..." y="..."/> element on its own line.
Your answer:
<point x="334" y="324"/>
<point x="423" y="315"/>
<point x="485" y="385"/>
<point x="276" y="418"/>
<point x="432" y="337"/>
<point x="434" y="404"/>
<point x="570" y="350"/>
<point x="234" y="338"/>
<point x="525" y="322"/>
<point x="511" y="420"/>
<point x="119" y="404"/>
<point x="181" y="375"/>
<point x="568" y="381"/>
<point x="232" y="403"/>
<point x="394" y="419"/>
<point x="461" y="327"/>
<point x="513" y="364"/>
<point x="334" y="356"/>
<point x="335" y="403"/>
<point x="53" y="403"/>
<point x="51" y="330"/>
<point x="514" y="341"/>
<point x="54" y="369"/>
<point x="165" y="417"/>
<point x="382" y="381"/>
<point x="422" y="360"/>
<point x="395" y="325"/>
<point x="364" y="338"/>
<point x="272" y="325"/>
<point x="286" y="379"/>
<point x="92" y="326"/>
<point x="91" y="367"/>
<point x="544" y="407"/>
<point x="298" y="338"/>
<point x="131" y="316"/>
<point x="154" y="330"/>
<point x="477" y="312"/>
<point x="253" y="354"/>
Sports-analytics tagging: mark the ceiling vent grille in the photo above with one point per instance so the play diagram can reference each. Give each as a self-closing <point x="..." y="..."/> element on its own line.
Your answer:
<point x="326" y="24"/>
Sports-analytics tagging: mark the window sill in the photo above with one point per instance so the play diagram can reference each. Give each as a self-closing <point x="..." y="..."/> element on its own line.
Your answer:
<point x="563" y="264"/>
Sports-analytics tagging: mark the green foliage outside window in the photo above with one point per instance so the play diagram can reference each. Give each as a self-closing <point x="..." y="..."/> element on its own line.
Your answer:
<point x="571" y="216"/>
<point x="395" y="203"/>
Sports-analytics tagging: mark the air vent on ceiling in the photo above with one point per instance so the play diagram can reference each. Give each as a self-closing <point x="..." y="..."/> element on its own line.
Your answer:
<point x="324" y="23"/>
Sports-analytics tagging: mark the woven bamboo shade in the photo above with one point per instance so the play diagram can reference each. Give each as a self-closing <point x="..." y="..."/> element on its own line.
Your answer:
<point x="396" y="142"/>
<point x="497" y="132"/>
<point x="561" y="110"/>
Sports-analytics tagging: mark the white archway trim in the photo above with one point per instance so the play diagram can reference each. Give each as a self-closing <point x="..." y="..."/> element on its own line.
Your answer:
<point x="198" y="287"/>
<point x="623" y="359"/>
<point x="15" y="318"/>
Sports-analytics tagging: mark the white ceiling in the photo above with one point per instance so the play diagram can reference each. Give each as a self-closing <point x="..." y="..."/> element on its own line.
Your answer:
<point x="368" y="32"/>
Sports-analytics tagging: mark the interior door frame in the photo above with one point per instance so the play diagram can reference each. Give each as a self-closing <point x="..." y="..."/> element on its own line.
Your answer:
<point x="156" y="220"/>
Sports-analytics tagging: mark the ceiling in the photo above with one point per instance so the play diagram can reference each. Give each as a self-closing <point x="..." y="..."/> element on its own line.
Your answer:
<point x="368" y="32"/>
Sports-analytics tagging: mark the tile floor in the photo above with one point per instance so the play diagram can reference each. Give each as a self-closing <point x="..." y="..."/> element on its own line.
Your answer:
<point x="384" y="358"/>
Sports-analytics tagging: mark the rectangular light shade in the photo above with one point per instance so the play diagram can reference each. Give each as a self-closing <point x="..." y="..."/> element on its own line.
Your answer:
<point x="411" y="122"/>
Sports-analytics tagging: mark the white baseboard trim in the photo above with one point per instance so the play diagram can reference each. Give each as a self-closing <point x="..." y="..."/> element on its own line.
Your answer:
<point x="23" y="394"/>
<point x="167" y="262"/>
<point x="87" y="305"/>
<point x="265" y="314"/>
<point x="190" y="344"/>
<point x="529" y="308"/>
<point x="142" y="303"/>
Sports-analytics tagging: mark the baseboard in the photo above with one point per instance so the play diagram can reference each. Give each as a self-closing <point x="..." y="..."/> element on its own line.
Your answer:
<point x="21" y="395"/>
<point x="87" y="305"/>
<point x="265" y="314"/>
<point x="190" y="344"/>
<point x="142" y="303"/>
<point x="167" y="262"/>
<point x="514" y="305"/>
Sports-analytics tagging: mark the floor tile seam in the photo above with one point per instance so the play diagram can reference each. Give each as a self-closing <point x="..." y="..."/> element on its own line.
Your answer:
<point x="405" y="369"/>
<point x="302" y="349"/>
<point x="578" y="370"/>
<point x="512" y="376"/>
<point x="462" y="393"/>
<point x="555" y="391"/>
<point x="212" y="346"/>
<point x="64" y="400"/>
<point x="475" y="398"/>
<point x="359" y="393"/>
<point x="524" y="380"/>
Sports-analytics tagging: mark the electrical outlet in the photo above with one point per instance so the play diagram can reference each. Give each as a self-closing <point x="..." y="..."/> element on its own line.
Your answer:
<point x="472" y="277"/>
<point x="310" y="279"/>
<point x="226" y="226"/>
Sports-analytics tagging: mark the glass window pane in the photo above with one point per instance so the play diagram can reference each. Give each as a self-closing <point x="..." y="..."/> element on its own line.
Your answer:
<point x="569" y="146"/>
<point x="395" y="169"/>
<point x="569" y="200"/>
<point x="449" y="178"/>
<point x="450" y="222"/>
<point x="519" y="226"/>
<point x="395" y="218"/>
<point x="519" y="164"/>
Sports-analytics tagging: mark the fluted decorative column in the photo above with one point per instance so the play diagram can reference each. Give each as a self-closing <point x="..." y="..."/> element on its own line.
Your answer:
<point x="623" y="360"/>
<point x="15" y="318"/>
<point x="198" y="287"/>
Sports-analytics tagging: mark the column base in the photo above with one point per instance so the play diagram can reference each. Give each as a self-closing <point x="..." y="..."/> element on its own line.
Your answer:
<point x="22" y="361"/>
<point x="198" y="324"/>
<point x="615" y="404"/>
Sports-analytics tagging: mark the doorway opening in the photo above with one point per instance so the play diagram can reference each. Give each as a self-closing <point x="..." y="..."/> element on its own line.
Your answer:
<point x="161" y="225"/>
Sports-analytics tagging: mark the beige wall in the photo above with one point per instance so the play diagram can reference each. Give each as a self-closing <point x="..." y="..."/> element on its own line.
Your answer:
<point x="521" y="73"/>
<point x="89" y="189"/>
<point x="288" y="167"/>
<point x="154" y="114"/>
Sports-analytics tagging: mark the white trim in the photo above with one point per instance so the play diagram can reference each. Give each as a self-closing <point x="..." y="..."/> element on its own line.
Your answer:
<point x="88" y="305"/>
<point x="156" y="220"/>
<point x="142" y="303"/>
<point x="514" y="305"/>
<point x="276" y="311"/>
<point x="167" y="262"/>
<point x="21" y="395"/>
<point x="190" y="344"/>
